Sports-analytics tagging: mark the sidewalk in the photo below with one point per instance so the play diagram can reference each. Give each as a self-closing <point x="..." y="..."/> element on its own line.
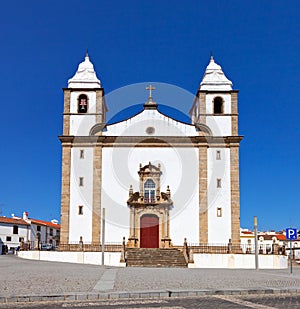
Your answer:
<point x="26" y="280"/>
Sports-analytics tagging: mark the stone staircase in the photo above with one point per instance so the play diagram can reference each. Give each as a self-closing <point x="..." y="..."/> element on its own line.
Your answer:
<point x="154" y="257"/>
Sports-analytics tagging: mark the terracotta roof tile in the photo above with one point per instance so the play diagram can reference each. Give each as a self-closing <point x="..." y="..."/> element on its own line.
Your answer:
<point x="45" y="223"/>
<point x="13" y="221"/>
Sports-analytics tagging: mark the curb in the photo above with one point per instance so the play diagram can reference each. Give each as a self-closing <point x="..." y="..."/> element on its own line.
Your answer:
<point x="141" y="294"/>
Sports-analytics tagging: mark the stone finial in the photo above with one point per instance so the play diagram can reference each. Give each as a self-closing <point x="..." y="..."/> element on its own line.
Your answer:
<point x="168" y="191"/>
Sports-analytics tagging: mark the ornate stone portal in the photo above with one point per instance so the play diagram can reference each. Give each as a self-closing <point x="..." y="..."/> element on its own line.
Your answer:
<point x="149" y="211"/>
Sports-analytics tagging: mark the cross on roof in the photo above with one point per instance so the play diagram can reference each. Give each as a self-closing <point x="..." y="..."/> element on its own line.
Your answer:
<point x="150" y="88"/>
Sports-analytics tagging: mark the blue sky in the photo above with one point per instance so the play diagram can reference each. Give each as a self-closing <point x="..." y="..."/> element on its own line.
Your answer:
<point x="256" y="42"/>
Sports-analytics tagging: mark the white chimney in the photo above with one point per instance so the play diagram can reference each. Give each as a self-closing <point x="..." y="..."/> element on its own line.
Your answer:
<point x="25" y="215"/>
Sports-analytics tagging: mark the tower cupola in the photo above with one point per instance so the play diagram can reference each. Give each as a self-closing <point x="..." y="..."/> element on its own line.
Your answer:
<point x="85" y="77"/>
<point x="214" y="78"/>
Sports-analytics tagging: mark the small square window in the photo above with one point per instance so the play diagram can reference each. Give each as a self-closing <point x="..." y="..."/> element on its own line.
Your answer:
<point x="80" y="181"/>
<point x="219" y="183"/>
<point x="38" y="228"/>
<point x="218" y="155"/>
<point x="21" y="239"/>
<point x="8" y="238"/>
<point x="219" y="212"/>
<point x="15" y="229"/>
<point x="81" y="154"/>
<point x="80" y="210"/>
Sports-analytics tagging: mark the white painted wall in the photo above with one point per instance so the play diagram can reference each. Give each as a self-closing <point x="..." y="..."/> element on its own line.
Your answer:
<point x="81" y="225"/>
<point x="219" y="125"/>
<point x="137" y="125"/>
<point x="95" y="258"/>
<point x="81" y="124"/>
<point x="179" y="170"/>
<point x="6" y="229"/>
<point x="226" y="102"/>
<point x="219" y="228"/>
<point x="246" y="261"/>
<point x="242" y="261"/>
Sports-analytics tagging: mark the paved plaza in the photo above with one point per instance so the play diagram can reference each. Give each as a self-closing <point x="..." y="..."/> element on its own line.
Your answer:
<point x="27" y="280"/>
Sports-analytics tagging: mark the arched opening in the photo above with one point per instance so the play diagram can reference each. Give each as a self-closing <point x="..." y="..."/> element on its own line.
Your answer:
<point x="82" y="104"/>
<point x="149" y="231"/>
<point x="218" y="105"/>
<point x="149" y="191"/>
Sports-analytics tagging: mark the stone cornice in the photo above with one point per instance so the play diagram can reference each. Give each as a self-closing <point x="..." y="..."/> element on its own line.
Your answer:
<point x="83" y="89"/>
<point x="159" y="141"/>
<point x="217" y="91"/>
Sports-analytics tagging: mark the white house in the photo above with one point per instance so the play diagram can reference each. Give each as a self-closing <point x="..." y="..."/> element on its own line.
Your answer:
<point x="13" y="231"/>
<point x="27" y="233"/>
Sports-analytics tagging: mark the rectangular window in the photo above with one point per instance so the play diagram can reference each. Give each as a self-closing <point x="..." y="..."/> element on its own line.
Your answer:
<point x="8" y="238"/>
<point x="219" y="183"/>
<point x="38" y="228"/>
<point x="80" y="181"/>
<point x="81" y="154"/>
<point x="21" y="239"/>
<point x="219" y="212"/>
<point x="15" y="229"/>
<point x="80" y="210"/>
<point x="51" y="232"/>
<point x="218" y="155"/>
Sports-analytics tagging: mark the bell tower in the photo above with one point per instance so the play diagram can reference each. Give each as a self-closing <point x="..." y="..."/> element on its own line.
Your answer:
<point x="84" y="103"/>
<point x="84" y="107"/>
<point x="216" y="106"/>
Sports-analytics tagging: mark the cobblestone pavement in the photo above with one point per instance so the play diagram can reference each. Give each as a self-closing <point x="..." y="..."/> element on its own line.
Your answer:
<point x="27" y="277"/>
<point x="180" y="278"/>
<point x="57" y="281"/>
<point x="255" y="301"/>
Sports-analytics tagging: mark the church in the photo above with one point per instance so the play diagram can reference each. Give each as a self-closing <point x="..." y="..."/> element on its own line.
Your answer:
<point x="160" y="180"/>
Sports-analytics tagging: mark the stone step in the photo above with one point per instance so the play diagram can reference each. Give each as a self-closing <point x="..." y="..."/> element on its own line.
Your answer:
<point x="155" y="257"/>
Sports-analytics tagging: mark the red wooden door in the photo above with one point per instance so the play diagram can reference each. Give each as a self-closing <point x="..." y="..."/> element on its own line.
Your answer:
<point x="149" y="231"/>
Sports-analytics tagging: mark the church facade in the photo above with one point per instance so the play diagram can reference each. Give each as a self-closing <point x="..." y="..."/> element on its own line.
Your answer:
<point x="159" y="180"/>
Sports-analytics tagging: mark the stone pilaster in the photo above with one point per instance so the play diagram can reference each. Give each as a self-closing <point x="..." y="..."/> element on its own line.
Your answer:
<point x="235" y="194"/>
<point x="99" y="104"/>
<point x="203" y="211"/>
<point x="97" y="181"/>
<point x="234" y="112"/>
<point x="203" y="112"/>
<point x="67" y="98"/>
<point x="65" y="193"/>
